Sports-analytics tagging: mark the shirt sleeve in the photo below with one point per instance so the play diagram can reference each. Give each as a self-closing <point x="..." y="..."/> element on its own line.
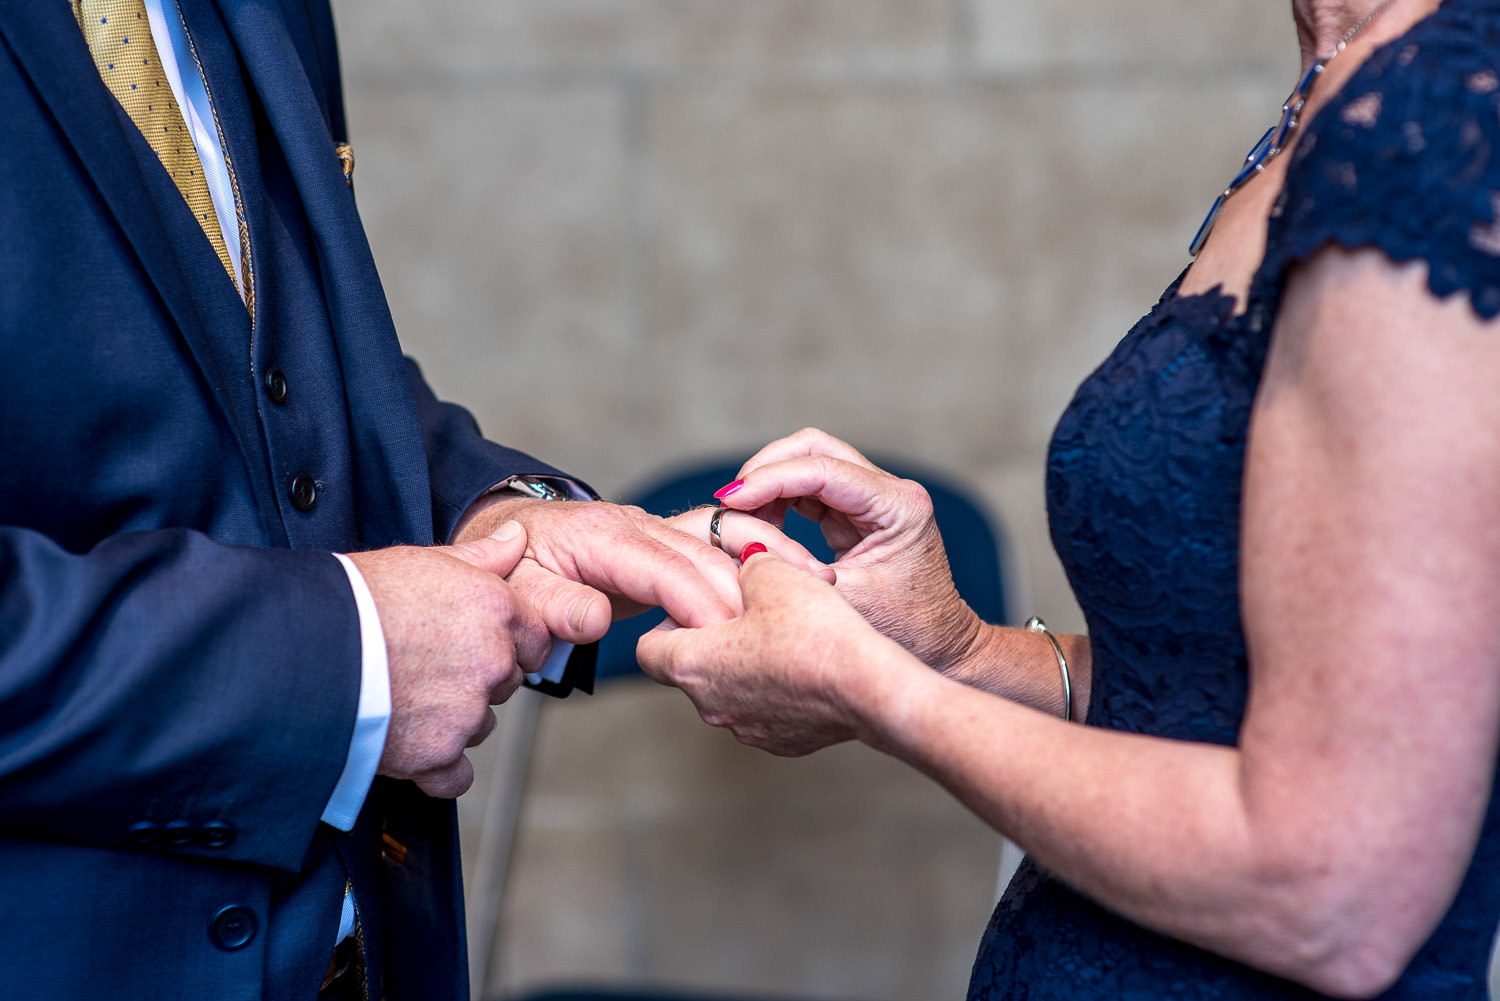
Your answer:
<point x="373" y="717"/>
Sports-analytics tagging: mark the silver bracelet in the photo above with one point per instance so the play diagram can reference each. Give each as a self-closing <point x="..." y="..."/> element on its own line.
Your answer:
<point x="1036" y="625"/>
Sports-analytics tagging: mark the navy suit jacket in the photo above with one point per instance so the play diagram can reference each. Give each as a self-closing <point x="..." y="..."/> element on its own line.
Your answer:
<point x="179" y="655"/>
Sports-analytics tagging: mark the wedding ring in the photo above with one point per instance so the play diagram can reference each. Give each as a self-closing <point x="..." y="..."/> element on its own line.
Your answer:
<point x="713" y="528"/>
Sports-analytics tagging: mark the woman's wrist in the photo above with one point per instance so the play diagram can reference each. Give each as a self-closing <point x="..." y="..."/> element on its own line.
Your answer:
<point x="1022" y="665"/>
<point x="880" y="703"/>
<point x="983" y="647"/>
<point x="951" y="638"/>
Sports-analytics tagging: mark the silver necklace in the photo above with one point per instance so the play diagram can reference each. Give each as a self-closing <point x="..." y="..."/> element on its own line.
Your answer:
<point x="1277" y="136"/>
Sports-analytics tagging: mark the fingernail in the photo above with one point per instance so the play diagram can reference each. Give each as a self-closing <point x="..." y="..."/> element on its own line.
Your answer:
<point x="578" y="613"/>
<point x="753" y="549"/>
<point x="725" y="491"/>
<point x="507" y="531"/>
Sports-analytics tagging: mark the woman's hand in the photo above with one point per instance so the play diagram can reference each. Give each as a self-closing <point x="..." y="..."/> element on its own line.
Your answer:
<point x="891" y="564"/>
<point x="786" y="676"/>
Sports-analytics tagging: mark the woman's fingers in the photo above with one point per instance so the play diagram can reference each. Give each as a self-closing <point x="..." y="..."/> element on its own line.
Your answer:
<point x="655" y="650"/>
<point x="773" y="677"/>
<point x="827" y="481"/>
<point x="767" y="580"/>
<point x="805" y="443"/>
<point x="777" y="595"/>
<point x="870" y="498"/>
<point x="738" y="529"/>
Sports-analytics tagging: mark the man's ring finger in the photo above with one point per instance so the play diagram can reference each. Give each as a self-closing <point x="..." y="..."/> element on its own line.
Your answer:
<point x="713" y="528"/>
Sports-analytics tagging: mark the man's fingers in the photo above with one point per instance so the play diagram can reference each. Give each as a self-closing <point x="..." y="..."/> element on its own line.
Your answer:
<point x="449" y="782"/>
<point x="679" y="567"/>
<point x="486" y="727"/>
<point x="634" y="558"/>
<point x="645" y="560"/>
<point x="739" y="529"/>
<point x="498" y="553"/>
<point x="572" y="612"/>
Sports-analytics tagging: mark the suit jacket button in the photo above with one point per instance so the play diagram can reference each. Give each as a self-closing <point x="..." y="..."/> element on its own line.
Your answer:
<point x="276" y="386"/>
<point x="178" y="833"/>
<point x="216" y="834"/>
<point x="143" y="832"/>
<point x="304" y="493"/>
<point x="232" y="928"/>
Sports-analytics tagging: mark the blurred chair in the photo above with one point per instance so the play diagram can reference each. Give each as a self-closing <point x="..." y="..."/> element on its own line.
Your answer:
<point x="985" y="570"/>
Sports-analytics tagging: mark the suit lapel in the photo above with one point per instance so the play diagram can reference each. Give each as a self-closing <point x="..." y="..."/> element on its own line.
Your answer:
<point x="390" y="459"/>
<point x="48" y="44"/>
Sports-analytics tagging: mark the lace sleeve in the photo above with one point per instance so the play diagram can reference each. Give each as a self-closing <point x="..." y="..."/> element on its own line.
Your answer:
<point x="1406" y="159"/>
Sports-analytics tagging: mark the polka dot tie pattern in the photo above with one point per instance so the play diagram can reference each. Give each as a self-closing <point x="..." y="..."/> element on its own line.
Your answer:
<point x="119" y="37"/>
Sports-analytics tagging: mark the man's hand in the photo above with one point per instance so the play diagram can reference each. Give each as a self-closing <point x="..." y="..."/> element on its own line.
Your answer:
<point x="458" y="639"/>
<point x="588" y="563"/>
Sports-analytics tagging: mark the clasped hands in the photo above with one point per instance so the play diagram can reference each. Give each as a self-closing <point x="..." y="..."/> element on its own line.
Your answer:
<point x="811" y="663"/>
<point x="463" y="623"/>
<point x="774" y="650"/>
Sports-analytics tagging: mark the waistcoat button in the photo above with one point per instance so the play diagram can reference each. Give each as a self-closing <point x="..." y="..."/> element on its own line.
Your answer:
<point x="304" y="492"/>
<point x="276" y="386"/>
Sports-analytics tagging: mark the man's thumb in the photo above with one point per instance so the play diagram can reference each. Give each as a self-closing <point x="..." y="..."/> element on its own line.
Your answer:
<point x="497" y="553"/>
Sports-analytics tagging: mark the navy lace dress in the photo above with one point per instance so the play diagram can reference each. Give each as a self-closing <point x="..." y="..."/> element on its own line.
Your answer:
<point x="1143" y="494"/>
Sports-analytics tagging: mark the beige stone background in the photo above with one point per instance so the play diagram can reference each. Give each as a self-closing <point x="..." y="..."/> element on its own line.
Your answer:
<point x="631" y="232"/>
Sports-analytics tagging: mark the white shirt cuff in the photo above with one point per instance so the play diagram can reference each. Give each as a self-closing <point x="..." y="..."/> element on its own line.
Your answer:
<point x="557" y="663"/>
<point x="373" y="718"/>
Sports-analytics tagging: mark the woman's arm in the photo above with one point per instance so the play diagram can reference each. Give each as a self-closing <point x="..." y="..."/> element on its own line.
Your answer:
<point x="1327" y="846"/>
<point x="1371" y="571"/>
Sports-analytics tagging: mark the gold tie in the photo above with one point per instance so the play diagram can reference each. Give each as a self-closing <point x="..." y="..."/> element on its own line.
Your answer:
<point x="119" y="36"/>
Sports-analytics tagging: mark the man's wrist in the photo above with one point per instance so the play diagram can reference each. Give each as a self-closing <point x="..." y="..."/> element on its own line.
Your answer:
<point x="502" y="501"/>
<point x="488" y="513"/>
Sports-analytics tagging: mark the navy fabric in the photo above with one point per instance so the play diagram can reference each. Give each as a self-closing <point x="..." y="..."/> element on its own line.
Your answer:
<point x="1143" y="496"/>
<point x="179" y="652"/>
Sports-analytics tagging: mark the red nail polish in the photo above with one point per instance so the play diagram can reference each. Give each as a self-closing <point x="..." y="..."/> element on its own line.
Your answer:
<point x="723" y="492"/>
<point x="750" y="550"/>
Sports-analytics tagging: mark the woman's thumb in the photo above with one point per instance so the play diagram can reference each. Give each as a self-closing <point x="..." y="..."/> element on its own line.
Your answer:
<point x="763" y="573"/>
